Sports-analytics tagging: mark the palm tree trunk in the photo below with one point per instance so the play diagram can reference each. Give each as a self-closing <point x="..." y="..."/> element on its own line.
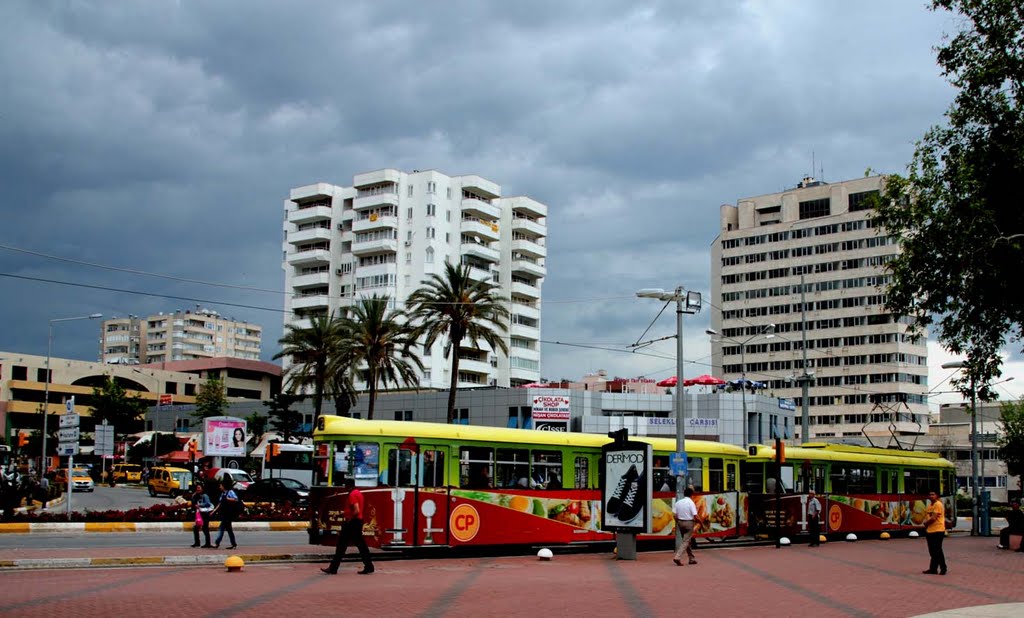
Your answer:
<point x="373" y="395"/>
<point x="453" y="389"/>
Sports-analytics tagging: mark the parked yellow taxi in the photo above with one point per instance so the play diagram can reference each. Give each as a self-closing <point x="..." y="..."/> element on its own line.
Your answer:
<point x="170" y="481"/>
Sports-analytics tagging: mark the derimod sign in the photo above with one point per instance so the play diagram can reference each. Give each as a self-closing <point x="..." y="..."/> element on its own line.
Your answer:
<point x="464" y="522"/>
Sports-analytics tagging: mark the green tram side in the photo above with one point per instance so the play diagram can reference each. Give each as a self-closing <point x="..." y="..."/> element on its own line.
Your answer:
<point x="438" y="485"/>
<point x="861" y="489"/>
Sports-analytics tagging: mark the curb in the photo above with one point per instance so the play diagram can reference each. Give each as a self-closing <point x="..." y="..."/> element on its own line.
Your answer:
<point x="204" y="560"/>
<point x="147" y="526"/>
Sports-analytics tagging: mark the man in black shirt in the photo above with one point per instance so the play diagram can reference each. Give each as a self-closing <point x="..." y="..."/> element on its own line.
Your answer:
<point x="1014" y="525"/>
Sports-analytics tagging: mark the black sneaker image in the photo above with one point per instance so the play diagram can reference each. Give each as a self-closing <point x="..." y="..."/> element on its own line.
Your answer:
<point x="634" y="500"/>
<point x="615" y="501"/>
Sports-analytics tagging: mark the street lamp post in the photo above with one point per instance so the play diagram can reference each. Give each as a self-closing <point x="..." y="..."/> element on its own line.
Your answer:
<point x="974" y="443"/>
<point x="768" y="331"/>
<point x="46" y="394"/>
<point x="686" y="302"/>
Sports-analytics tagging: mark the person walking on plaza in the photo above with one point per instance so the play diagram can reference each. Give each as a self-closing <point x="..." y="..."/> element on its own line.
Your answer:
<point x="813" y="518"/>
<point x="686" y="516"/>
<point x="935" y="531"/>
<point x="201" y="503"/>
<point x="1014" y="525"/>
<point x="228" y="509"/>
<point x="351" y="532"/>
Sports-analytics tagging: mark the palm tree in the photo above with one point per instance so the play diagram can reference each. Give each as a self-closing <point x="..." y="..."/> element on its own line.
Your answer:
<point x="460" y="307"/>
<point x="381" y="343"/>
<point x="312" y="350"/>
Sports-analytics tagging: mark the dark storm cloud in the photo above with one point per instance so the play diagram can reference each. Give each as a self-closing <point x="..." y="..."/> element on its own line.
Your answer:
<point x="163" y="136"/>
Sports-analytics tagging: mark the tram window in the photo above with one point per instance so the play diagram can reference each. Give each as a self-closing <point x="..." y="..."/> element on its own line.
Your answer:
<point x="921" y="481"/>
<point x="476" y="467"/>
<point x="839" y="479"/>
<point x="432" y="472"/>
<point x="512" y="468"/>
<point x="695" y="466"/>
<point x="862" y="481"/>
<point x="582" y="473"/>
<point x="753" y="476"/>
<point x="400" y="470"/>
<point x="364" y="462"/>
<point x="662" y="475"/>
<point x="730" y="476"/>
<point x="950" y="483"/>
<point x="547" y="470"/>
<point x="716" y="474"/>
<point x="322" y="457"/>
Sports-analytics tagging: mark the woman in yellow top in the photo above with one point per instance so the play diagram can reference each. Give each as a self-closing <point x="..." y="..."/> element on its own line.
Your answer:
<point x="935" y="531"/>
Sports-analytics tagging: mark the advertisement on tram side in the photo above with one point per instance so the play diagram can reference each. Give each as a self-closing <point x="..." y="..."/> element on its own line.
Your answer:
<point x="863" y="513"/>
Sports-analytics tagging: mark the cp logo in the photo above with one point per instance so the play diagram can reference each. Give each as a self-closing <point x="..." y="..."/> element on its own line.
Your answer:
<point x="835" y="517"/>
<point x="465" y="522"/>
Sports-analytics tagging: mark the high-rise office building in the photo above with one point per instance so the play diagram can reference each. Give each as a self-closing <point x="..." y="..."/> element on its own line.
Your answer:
<point x="181" y="335"/>
<point x="810" y="262"/>
<point x="390" y="230"/>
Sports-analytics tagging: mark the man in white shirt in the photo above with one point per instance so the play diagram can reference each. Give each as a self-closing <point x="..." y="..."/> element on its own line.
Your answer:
<point x="813" y="518"/>
<point x="686" y="515"/>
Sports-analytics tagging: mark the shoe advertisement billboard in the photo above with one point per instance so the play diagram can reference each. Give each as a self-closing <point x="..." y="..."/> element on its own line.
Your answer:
<point x="626" y="487"/>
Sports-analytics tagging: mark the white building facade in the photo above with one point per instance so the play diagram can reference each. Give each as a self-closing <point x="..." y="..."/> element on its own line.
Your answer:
<point x="179" y="336"/>
<point x="811" y="255"/>
<point x="390" y="230"/>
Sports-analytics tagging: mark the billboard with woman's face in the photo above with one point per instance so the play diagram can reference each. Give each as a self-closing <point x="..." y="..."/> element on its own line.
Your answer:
<point x="225" y="435"/>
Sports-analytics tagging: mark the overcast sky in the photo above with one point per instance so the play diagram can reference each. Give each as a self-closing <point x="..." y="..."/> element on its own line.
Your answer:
<point x="163" y="136"/>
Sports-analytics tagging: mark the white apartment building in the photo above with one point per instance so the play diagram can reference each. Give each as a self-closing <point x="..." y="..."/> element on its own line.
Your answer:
<point x="812" y="254"/>
<point x="390" y="230"/>
<point x="181" y="335"/>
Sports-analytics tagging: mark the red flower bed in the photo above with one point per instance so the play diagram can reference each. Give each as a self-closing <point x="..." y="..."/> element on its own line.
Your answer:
<point x="162" y="513"/>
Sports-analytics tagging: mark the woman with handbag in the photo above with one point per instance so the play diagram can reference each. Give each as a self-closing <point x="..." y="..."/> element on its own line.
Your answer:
<point x="202" y="505"/>
<point x="228" y="509"/>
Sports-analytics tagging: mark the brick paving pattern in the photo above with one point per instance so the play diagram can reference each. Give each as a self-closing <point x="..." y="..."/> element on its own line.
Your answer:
<point x="867" y="578"/>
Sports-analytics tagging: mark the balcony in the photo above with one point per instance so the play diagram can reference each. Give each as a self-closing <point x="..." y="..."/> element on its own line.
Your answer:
<point x="480" y="229"/>
<point x="370" y="247"/>
<point x="485" y="187"/>
<point x="481" y="251"/>
<point x="479" y="274"/>
<point x="311" y="256"/>
<point x="528" y="206"/>
<point x="515" y="373"/>
<point x="309" y="214"/>
<point x="525" y="289"/>
<point x="374" y="223"/>
<point x="377" y="177"/>
<point x="316" y="234"/>
<point x="530" y="226"/>
<point x="521" y="330"/>
<point x="467" y="365"/>
<point x="531" y="248"/>
<point x="481" y="209"/>
<point x="313" y="192"/>
<point x="377" y="200"/>
<point x="531" y="268"/>
<point x="309" y="302"/>
<point x="302" y="323"/>
<point x="526" y="311"/>
<point x="311" y="280"/>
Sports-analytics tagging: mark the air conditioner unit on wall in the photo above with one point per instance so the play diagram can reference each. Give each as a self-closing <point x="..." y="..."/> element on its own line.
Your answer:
<point x="408" y="243"/>
<point x="339" y="272"/>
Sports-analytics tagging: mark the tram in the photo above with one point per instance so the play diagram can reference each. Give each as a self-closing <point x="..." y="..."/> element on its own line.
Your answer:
<point x="439" y="485"/>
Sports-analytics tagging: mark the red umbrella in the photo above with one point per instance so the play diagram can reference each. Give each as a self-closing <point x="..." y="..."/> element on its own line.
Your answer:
<point x="669" y="381"/>
<point x="704" y="380"/>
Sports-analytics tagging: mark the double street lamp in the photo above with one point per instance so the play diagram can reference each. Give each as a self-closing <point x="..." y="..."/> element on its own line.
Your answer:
<point x="768" y="332"/>
<point x="46" y="395"/>
<point x="686" y="302"/>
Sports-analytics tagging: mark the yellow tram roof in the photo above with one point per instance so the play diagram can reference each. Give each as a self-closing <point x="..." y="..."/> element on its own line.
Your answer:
<point x="823" y="451"/>
<point x="340" y="425"/>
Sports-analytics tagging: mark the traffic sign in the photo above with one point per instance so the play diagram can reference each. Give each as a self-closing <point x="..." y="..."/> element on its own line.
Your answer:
<point x="678" y="464"/>
<point x="65" y="449"/>
<point x="69" y="405"/>
<point x="68" y="435"/>
<point x="69" y="420"/>
<point x="104" y="439"/>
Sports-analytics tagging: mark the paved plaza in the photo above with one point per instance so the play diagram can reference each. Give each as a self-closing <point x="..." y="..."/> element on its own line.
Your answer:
<point x="867" y="578"/>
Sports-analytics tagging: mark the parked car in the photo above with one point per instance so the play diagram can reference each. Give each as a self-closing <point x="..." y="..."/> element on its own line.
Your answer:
<point x="277" y="490"/>
<point x="170" y="481"/>
<point x="126" y="473"/>
<point x="212" y="478"/>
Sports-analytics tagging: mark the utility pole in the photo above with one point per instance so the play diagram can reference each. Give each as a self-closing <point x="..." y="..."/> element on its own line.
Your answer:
<point x="805" y="378"/>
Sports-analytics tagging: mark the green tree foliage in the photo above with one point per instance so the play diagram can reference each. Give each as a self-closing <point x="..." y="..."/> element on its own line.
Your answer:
<point x="960" y="229"/>
<point x="284" y="421"/>
<point x="381" y="344"/>
<point x="211" y="399"/>
<point x="1011" y="440"/>
<point x="458" y="307"/>
<point x="111" y="403"/>
<point x="312" y="351"/>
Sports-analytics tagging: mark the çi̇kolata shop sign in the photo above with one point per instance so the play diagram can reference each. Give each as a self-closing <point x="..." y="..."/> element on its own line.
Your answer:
<point x="551" y="412"/>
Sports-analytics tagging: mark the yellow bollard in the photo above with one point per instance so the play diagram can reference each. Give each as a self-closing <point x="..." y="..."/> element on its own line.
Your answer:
<point x="234" y="564"/>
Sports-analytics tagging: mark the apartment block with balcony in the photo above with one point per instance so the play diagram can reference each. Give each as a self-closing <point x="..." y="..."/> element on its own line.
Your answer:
<point x="178" y="336"/>
<point x="811" y="255"/>
<point x="389" y="231"/>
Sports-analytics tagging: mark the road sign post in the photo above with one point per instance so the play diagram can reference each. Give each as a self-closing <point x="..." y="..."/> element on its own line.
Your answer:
<point x="69" y="436"/>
